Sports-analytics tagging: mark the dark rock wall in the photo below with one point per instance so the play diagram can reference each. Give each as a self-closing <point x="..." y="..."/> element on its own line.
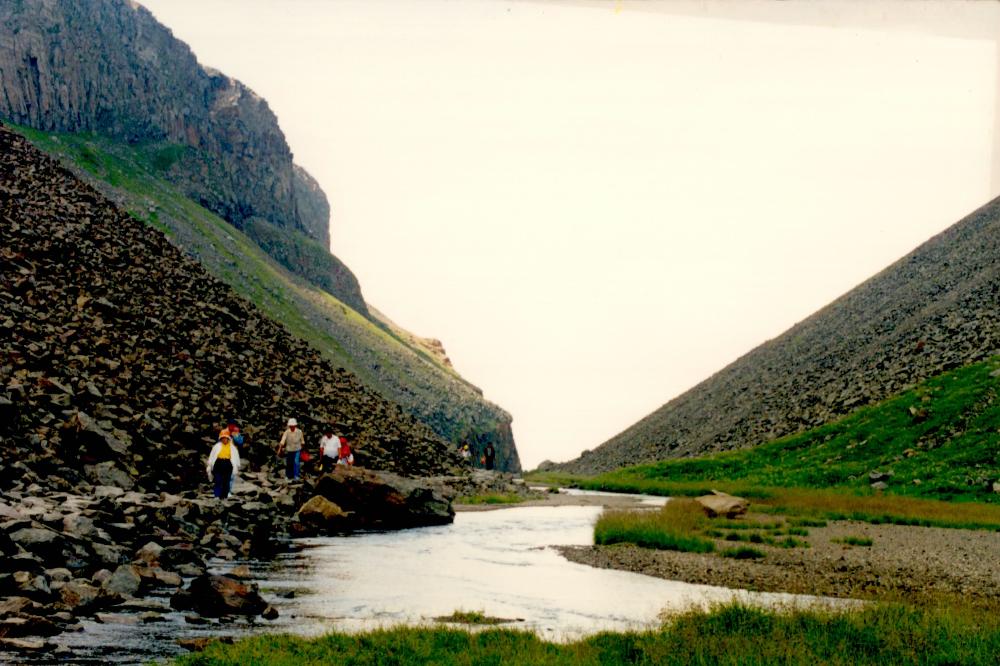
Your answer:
<point x="119" y="356"/>
<point x="108" y="66"/>
<point x="936" y="309"/>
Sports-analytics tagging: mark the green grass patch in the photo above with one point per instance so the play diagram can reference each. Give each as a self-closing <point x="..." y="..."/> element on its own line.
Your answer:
<point x="672" y="527"/>
<point x="854" y="541"/>
<point x="940" y="440"/>
<point x="727" y="635"/>
<point x="495" y="498"/>
<point x="743" y="553"/>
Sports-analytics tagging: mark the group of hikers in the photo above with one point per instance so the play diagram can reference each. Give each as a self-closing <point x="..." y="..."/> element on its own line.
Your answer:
<point x="224" y="460"/>
<point x="487" y="460"/>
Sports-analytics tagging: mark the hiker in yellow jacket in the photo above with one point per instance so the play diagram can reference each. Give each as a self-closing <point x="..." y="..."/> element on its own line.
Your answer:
<point x="223" y="464"/>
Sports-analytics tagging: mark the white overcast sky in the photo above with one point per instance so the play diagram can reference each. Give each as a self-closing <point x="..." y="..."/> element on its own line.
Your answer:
<point x="597" y="205"/>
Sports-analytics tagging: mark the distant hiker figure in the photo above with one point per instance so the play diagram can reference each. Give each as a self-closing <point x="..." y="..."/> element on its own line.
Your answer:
<point x="344" y="456"/>
<point x="466" y="453"/>
<point x="291" y="448"/>
<point x="329" y="449"/>
<point x="223" y="465"/>
<point x="234" y="432"/>
<point x="489" y="456"/>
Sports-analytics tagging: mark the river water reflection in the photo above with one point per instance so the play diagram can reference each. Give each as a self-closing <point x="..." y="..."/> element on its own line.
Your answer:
<point x="498" y="562"/>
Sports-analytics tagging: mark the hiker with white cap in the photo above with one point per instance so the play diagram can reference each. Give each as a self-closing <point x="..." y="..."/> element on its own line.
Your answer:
<point x="223" y="465"/>
<point x="291" y="447"/>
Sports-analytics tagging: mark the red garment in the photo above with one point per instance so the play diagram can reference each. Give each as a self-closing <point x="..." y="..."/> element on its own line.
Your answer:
<point x="345" y="451"/>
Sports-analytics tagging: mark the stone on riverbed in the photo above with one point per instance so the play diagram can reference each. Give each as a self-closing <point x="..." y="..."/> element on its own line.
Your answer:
<point x="215" y="596"/>
<point x="722" y="504"/>
<point x="383" y="500"/>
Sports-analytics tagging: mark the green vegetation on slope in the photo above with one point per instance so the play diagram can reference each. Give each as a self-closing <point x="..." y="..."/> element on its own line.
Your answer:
<point x="730" y="634"/>
<point x="131" y="176"/>
<point x="940" y="441"/>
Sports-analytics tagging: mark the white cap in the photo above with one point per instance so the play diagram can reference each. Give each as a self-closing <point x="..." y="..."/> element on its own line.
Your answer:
<point x="292" y="422"/>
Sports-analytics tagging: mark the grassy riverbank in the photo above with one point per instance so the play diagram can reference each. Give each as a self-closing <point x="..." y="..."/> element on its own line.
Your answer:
<point x="938" y="446"/>
<point x="731" y="634"/>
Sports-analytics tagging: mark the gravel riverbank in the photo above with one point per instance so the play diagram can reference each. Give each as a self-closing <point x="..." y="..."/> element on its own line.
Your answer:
<point x="902" y="562"/>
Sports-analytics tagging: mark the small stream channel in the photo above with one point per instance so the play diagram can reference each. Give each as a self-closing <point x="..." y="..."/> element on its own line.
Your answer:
<point x="498" y="562"/>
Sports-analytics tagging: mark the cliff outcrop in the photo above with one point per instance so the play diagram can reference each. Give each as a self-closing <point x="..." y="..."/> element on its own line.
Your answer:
<point x="108" y="66"/>
<point x="931" y="311"/>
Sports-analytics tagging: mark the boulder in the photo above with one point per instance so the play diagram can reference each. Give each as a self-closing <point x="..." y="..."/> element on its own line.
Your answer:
<point x="124" y="582"/>
<point x="80" y="597"/>
<point x="24" y="644"/>
<point x="722" y="504"/>
<point x="383" y="500"/>
<point x="94" y="439"/>
<point x="215" y="596"/>
<point x="24" y="625"/>
<point x="150" y="553"/>
<point x="323" y="515"/>
<point x="109" y="474"/>
<point x="43" y="542"/>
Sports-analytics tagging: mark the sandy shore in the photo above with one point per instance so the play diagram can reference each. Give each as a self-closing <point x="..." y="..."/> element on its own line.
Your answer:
<point x="902" y="562"/>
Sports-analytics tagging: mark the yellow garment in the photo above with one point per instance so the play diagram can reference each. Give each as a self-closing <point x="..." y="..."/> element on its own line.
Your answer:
<point x="225" y="453"/>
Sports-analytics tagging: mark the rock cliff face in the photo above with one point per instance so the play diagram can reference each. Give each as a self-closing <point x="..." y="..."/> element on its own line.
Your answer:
<point x="107" y="66"/>
<point x="120" y="356"/>
<point x="933" y="310"/>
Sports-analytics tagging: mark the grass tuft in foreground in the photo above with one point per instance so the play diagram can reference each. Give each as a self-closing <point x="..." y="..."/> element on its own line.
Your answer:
<point x="728" y="634"/>
<point x="854" y="541"/>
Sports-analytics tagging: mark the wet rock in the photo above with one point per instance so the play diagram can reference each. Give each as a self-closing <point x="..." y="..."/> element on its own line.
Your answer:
<point x="150" y="553"/>
<point x="383" y="500"/>
<point x="722" y="504"/>
<point x="242" y="572"/>
<point x="24" y="644"/>
<point x="21" y="625"/>
<point x="80" y="597"/>
<point x="215" y="596"/>
<point x="270" y="613"/>
<point x="323" y="515"/>
<point x="125" y="581"/>
<point x="17" y="605"/>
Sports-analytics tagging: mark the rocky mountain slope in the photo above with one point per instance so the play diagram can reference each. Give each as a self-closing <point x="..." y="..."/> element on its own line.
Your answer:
<point x="182" y="147"/>
<point x="108" y="66"/>
<point x="120" y="356"/>
<point x="934" y="310"/>
<point x="395" y="363"/>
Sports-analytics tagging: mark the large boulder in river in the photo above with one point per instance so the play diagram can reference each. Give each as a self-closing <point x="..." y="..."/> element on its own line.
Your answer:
<point x="321" y="515"/>
<point x="380" y="500"/>
<point x="215" y="596"/>
<point x="721" y="504"/>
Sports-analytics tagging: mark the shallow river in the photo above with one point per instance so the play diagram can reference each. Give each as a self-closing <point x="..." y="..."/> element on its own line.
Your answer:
<point x="493" y="561"/>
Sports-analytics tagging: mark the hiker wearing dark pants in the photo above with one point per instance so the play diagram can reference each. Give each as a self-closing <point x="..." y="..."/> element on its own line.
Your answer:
<point x="223" y="465"/>
<point x="291" y="447"/>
